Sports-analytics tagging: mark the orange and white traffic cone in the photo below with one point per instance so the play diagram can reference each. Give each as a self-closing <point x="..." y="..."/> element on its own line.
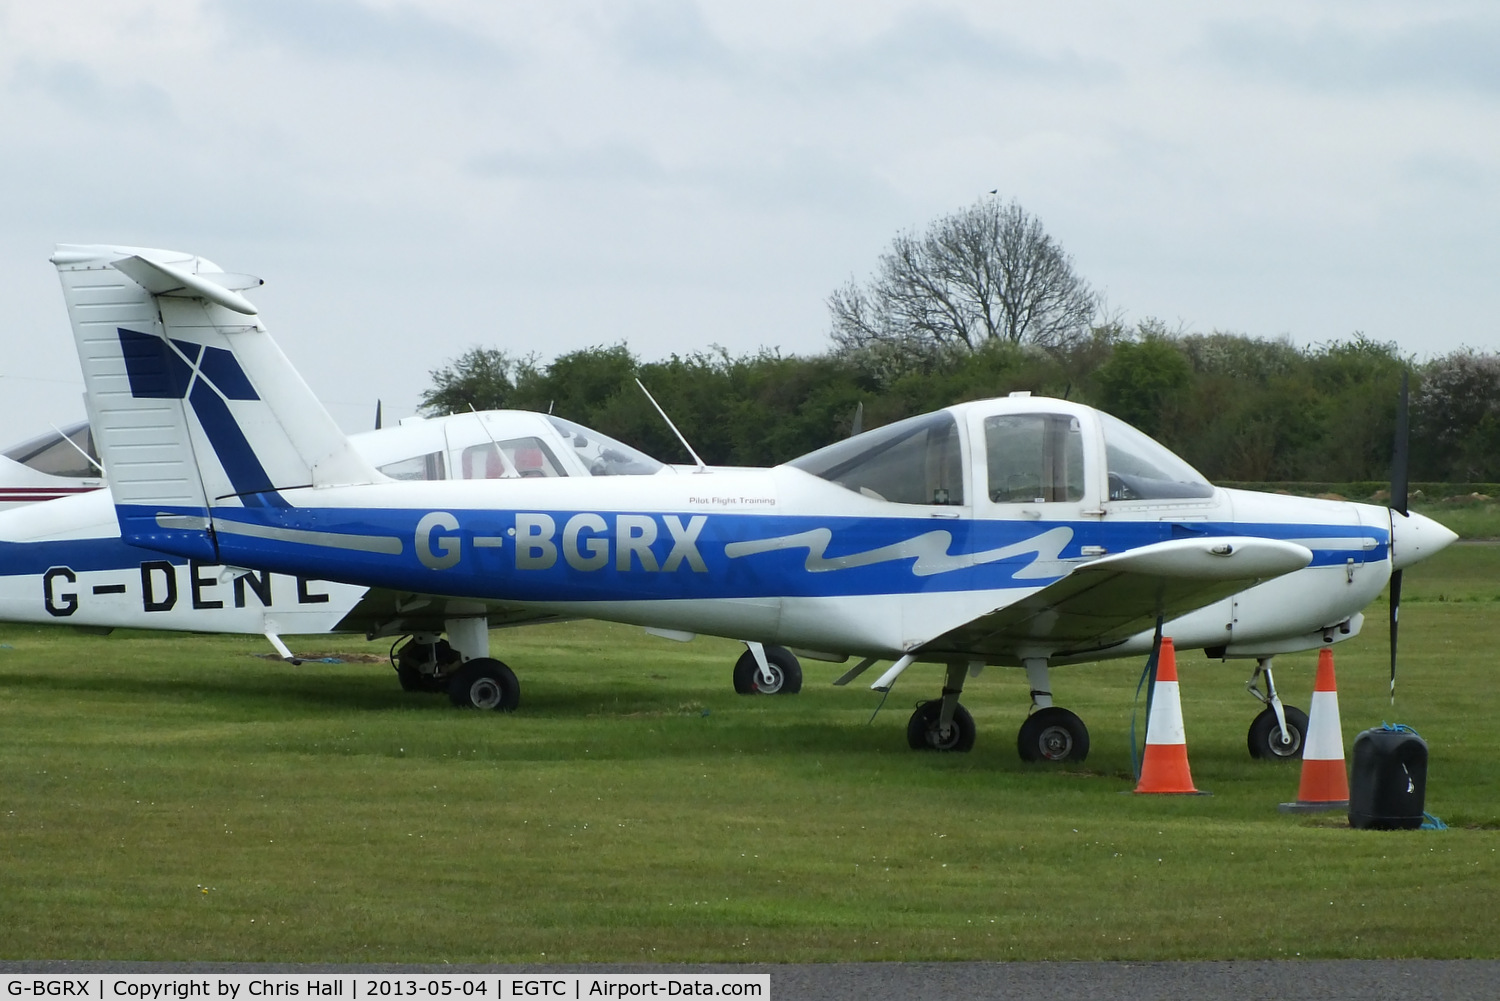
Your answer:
<point x="1325" y="783"/>
<point x="1164" y="769"/>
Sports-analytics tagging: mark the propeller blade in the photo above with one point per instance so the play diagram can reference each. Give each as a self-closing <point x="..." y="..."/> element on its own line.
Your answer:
<point x="1395" y="622"/>
<point x="859" y="419"/>
<point x="1400" y="464"/>
<point x="377" y="415"/>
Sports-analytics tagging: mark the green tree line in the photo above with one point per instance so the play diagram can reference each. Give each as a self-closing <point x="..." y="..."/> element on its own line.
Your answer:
<point x="1238" y="408"/>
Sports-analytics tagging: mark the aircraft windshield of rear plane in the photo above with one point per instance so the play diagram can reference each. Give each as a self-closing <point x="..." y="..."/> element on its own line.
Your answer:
<point x="495" y="449"/>
<point x="498" y="445"/>
<point x="65" y="452"/>
<point x="1034" y="457"/>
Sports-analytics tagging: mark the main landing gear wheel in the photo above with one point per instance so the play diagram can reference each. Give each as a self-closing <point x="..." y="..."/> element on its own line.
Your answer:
<point x="413" y="657"/>
<point x="485" y="683"/>
<point x="922" y="733"/>
<point x="785" y="669"/>
<point x="1265" y="736"/>
<point x="1053" y="734"/>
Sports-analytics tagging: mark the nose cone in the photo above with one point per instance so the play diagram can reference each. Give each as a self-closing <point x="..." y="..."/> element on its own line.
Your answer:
<point x="1415" y="537"/>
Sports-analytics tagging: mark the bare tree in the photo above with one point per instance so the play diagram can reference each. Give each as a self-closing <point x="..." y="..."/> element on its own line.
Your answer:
<point x="987" y="272"/>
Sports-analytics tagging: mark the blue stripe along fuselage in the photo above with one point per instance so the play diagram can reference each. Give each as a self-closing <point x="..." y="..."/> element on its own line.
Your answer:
<point x="81" y="555"/>
<point x="480" y="553"/>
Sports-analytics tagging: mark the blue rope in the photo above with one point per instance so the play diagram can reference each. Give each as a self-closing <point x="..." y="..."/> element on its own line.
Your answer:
<point x="1430" y="822"/>
<point x="1149" y="671"/>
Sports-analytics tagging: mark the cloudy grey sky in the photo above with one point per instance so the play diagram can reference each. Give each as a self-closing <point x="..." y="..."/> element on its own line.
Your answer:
<point x="414" y="178"/>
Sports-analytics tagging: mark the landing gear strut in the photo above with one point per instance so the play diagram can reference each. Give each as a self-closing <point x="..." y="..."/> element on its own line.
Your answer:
<point x="461" y="665"/>
<point x="1050" y="733"/>
<point x="1278" y="732"/>
<point x="767" y="670"/>
<point x="943" y="724"/>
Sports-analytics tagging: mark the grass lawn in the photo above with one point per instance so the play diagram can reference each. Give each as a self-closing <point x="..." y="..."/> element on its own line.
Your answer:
<point x="176" y="797"/>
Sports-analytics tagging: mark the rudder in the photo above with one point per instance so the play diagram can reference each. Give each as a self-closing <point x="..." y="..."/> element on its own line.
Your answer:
<point x="193" y="404"/>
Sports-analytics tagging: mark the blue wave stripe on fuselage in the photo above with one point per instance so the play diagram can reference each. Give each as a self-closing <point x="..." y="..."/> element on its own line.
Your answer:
<point x="496" y="569"/>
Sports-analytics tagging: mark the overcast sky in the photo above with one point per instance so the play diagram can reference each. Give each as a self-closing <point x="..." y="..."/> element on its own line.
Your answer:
<point x="415" y="178"/>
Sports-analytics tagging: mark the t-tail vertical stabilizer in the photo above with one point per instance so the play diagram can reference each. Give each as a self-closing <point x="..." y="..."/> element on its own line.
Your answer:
<point x="192" y="403"/>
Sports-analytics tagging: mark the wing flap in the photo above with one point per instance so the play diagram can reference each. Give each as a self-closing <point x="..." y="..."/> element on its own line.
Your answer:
<point x="1111" y="599"/>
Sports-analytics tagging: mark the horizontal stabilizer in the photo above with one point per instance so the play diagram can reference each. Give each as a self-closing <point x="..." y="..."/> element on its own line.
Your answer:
<point x="160" y="278"/>
<point x="1111" y="599"/>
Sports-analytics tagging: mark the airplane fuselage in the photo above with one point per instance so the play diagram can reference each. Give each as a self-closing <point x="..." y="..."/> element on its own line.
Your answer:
<point x="784" y="557"/>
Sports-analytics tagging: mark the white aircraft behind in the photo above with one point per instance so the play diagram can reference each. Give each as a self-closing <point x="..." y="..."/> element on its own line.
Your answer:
<point x="1020" y="531"/>
<point x="62" y="561"/>
<point x="60" y="463"/>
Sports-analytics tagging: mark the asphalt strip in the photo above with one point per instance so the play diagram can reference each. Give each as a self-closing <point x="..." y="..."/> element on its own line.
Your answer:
<point x="1326" y="980"/>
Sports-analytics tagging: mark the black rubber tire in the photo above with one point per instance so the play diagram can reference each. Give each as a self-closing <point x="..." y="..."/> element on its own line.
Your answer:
<point x="414" y="656"/>
<point x="922" y="729"/>
<point x="783" y="664"/>
<point x="1264" y="738"/>
<point x="485" y="683"/>
<point x="1053" y="734"/>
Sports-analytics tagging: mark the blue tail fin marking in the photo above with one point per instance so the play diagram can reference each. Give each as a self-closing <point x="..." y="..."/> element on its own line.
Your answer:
<point x="206" y="377"/>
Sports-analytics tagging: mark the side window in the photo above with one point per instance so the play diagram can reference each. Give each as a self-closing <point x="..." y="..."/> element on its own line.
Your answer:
<point x="1033" y="458"/>
<point x="516" y="457"/>
<point x="418" y="467"/>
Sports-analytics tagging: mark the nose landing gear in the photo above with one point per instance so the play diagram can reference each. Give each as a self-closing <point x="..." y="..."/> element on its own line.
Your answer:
<point x="1277" y="734"/>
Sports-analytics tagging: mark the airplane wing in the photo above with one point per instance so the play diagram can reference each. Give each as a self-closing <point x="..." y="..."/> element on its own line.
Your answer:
<point x="391" y="613"/>
<point x="1113" y="598"/>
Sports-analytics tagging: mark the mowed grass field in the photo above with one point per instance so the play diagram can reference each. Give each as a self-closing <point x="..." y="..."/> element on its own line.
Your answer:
<point x="169" y="797"/>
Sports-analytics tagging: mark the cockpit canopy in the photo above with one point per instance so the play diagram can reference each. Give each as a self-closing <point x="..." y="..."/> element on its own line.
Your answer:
<point x="1034" y="451"/>
<point x="915" y="461"/>
<point x="604" y="455"/>
<point x="66" y="452"/>
<point x="502" y="444"/>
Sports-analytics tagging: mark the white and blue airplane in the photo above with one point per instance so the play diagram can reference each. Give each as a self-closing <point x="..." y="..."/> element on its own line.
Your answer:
<point x="1021" y="531"/>
<point x="63" y="562"/>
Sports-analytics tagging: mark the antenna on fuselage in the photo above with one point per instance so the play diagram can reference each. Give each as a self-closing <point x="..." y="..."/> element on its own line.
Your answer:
<point x="701" y="467"/>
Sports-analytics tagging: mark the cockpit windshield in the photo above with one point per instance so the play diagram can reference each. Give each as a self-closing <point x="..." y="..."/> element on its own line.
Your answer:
<point x="1143" y="469"/>
<point x="69" y="452"/>
<point x="915" y="461"/>
<point x="602" y="454"/>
